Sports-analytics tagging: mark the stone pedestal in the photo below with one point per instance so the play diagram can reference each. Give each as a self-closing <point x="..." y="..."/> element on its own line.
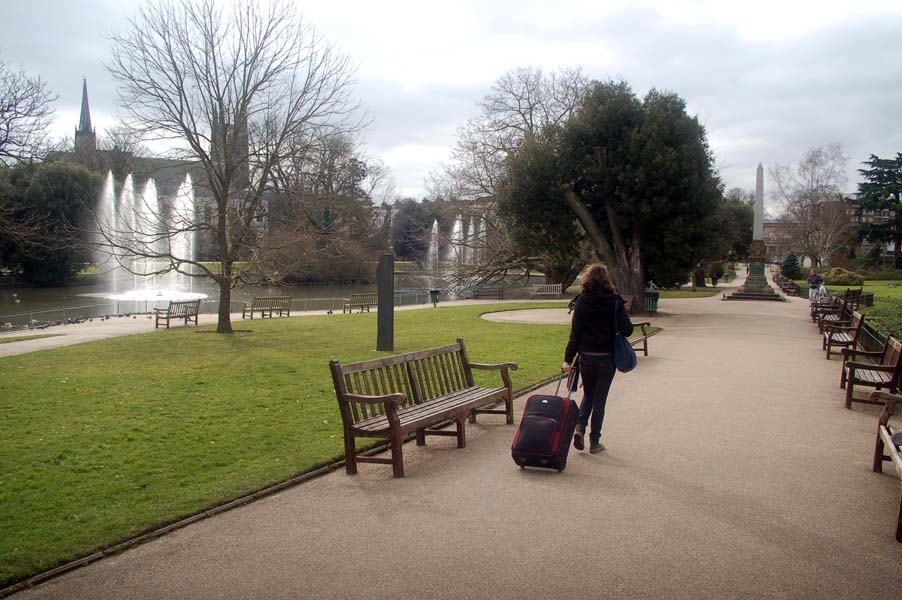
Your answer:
<point x="756" y="286"/>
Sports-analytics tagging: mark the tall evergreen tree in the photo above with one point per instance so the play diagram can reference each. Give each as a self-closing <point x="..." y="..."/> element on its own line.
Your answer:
<point x="636" y="175"/>
<point x="882" y="190"/>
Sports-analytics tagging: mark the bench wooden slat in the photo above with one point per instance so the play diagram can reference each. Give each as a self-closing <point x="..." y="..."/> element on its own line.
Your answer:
<point x="436" y="409"/>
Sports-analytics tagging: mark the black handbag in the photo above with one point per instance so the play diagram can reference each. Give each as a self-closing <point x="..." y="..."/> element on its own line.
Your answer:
<point x="624" y="355"/>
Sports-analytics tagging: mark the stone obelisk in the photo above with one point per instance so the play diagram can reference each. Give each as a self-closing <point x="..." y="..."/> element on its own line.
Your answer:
<point x="756" y="286"/>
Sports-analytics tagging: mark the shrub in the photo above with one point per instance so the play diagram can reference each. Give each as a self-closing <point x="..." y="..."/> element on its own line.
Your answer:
<point x="884" y="276"/>
<point x="791" y="267"/>
<point x="840" y="276"/>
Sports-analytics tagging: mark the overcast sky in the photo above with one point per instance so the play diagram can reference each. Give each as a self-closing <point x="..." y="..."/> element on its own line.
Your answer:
<point x="769" y="79"/>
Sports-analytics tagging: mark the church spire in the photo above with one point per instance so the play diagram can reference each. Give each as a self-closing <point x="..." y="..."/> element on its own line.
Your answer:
<point x="85" y="138"/>
<point x="84" y="124"/>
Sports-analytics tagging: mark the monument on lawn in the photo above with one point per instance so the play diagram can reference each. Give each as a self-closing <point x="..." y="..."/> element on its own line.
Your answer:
<point x="756" y="286"/>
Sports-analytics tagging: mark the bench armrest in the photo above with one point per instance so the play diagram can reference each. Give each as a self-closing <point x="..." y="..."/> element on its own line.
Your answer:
<point x="494" y="367"/>
<point x="871" y="367"/>
<point x="852" y="352"/>
<point x="161" y="311"/>
<point x="838" y="326"/>
<point x="505" y="368"/>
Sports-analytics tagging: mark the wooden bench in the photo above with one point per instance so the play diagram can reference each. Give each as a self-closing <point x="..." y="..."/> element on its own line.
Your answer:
<point x="816" y="308"/>
<point x="361" y="302"/>
<point x="878" y="369"/>
<point x="842" y="334"/>
<point x="177" y="309"/>
<point x="393" y="396"/>
<point x="547" y="289"/>
<point x="267" y="306"/>
<point x="885" y="443"/>
<point x="642" y="339"/>
<point x="494" y="293"/>
<point x="834" y="315"/>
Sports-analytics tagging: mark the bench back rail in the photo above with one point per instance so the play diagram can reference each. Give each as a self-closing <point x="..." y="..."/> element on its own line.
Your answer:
<point x="547" y="289"/>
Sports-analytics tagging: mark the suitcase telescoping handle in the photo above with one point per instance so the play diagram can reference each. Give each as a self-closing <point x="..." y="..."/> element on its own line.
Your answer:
<point x="560" y="379"/>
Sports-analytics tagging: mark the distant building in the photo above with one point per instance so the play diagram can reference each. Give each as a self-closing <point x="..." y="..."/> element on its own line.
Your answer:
<point x="168" y="174"/>
<point x="779" y="240"/>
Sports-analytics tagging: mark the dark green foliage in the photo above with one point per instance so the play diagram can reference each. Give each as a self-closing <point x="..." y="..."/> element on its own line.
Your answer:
<point x="791" y="267"/>
<point x="883" y="276"/>
<point x="411" y="226"/>
<point x="886" y="314"/>
<point x="644" y="173"/>
<point x="882" y="189"/>
<point x="50" y="204"/>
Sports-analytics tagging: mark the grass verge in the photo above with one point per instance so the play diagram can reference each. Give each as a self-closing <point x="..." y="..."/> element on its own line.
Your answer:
<point x="103" y="440"/>
<point x="699" y="293"/>
<point x="22" y="338"/>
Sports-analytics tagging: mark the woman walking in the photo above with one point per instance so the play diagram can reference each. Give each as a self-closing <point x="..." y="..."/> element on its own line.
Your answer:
<point x="598" y="308"/>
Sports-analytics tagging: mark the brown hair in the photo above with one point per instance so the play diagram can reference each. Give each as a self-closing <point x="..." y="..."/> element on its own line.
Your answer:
<point x="597" y="278"/>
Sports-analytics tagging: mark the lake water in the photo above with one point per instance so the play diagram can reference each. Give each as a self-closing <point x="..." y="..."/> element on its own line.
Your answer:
<point x="20" y="305"/>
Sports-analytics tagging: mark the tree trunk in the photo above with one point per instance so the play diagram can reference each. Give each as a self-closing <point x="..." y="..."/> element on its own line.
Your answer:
<point x="224" y="323"/>
<point x="897" y="239"/>
<point x="698" y="278"/>
<point x="625" y="264"/>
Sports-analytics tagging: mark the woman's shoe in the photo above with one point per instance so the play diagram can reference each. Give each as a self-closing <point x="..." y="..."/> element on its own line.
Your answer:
<point x="578" y="439"/>
<point x="596" y="447"/>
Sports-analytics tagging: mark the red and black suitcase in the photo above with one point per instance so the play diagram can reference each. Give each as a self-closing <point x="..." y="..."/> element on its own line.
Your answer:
<point x="546" y="431"/>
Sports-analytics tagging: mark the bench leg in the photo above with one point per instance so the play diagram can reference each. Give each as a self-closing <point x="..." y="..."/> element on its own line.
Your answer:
<point x="509" y="402"/>
<point x="461" y="431"/>
<point x="878" y="453"/>
<point x="397" y="458"/>
<point x="350" y="454"/>
<point x="899" y="523"/>
<point x="849" y="385"/>
<point x="421" y="437"/>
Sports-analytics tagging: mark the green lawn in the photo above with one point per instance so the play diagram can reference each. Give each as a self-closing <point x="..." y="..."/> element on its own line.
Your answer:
<point x="688" y="293"/>
<point x="103" y="440"/>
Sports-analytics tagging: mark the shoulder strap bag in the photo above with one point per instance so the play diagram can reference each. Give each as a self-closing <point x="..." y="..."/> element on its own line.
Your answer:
<point x="624" y="355"/>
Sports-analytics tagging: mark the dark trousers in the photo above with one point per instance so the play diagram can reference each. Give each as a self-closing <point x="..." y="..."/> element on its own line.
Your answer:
<point x="597" y="373"/>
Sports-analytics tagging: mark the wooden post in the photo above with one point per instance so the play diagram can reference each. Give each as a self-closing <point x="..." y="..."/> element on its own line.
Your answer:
<point x="385" y="290"/>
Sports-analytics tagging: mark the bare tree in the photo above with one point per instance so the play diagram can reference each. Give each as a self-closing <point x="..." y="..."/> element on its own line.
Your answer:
<point x="234" y="86"/>
<point x="812" y="199"/>
<point x="25" y="113"/>
<point x="521" y="103"/>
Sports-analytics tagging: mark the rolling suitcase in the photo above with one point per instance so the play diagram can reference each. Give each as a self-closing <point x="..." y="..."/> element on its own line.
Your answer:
<point x="546" y="430"/>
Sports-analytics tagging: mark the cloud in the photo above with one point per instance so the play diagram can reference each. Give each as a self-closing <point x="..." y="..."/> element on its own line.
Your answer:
<point x="768" y="80"/>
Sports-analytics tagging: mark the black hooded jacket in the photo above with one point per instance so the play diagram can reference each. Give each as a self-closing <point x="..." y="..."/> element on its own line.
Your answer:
<point x="592" y="329"/>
